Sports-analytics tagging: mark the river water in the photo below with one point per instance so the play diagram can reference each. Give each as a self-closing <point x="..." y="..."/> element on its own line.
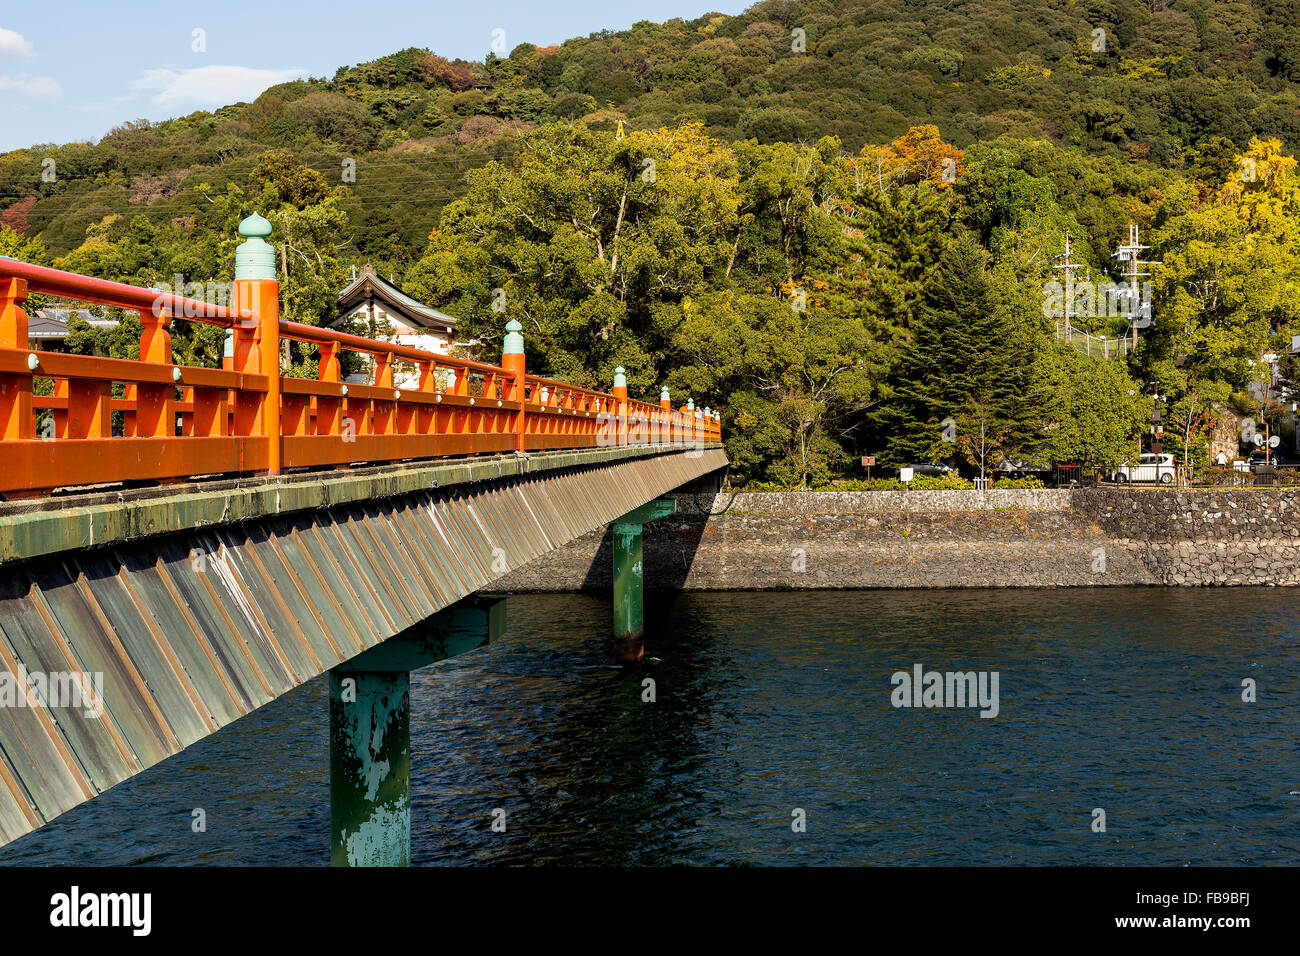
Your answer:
<point x="1123" y="700"/>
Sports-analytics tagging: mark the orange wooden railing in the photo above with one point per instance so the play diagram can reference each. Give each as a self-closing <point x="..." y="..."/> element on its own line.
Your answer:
<point x="180" y="422"/>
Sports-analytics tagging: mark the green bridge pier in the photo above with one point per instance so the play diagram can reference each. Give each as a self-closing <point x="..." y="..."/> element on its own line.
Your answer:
<point x="370" y="703"/>
<point x="370" y="731"/>
<point x="629" y="579"/>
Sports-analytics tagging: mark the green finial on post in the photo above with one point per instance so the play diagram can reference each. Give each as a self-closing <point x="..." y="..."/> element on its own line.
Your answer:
<point x="514" y="342"/>
<point x="663" y="394"/>
<point x="690" y="404"/>
<point x="620" y="377"/>
<point x="255" y="257"/>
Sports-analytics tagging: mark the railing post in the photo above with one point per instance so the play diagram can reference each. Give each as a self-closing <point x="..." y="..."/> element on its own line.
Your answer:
<point x="665" y="416"/>
<point x="258" y="350"/>
<point x="328" y="409"/>
<point x="690" y="421"/>
<point x="512" y="360"/>
<point x="620" y="404"/>
<point x="424" y="414"/>
<point x="15" y="390"/>
<point x="154" y="415"/>
<point x="383" y="415"/>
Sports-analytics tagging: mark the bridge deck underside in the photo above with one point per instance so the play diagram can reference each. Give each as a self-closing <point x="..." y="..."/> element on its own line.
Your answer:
<point x="191" y="631"/>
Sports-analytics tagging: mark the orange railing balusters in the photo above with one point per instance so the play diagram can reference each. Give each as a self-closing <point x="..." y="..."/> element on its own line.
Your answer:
<point x="329" y="403"/>
<point x="383" y="419"/>
<point x="426" y="414"/>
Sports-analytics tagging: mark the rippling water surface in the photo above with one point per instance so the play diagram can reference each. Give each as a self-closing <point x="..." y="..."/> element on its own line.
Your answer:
<point x="1128" y="700"/>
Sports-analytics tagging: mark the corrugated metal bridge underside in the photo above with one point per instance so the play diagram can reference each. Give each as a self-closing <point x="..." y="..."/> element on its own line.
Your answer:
<point x="194" y="629"/>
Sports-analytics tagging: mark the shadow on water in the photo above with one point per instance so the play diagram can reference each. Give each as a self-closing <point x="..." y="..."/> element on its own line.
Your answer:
<point x="1127" y="700"/>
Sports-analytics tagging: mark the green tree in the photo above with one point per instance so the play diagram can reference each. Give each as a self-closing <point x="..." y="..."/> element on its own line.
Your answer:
<point x="1095" y="411"/>
<point x="961" y="381"/>
<point x="17" y="246"/>
<point x="592" y="242"/>
<point x="794" y="381"/>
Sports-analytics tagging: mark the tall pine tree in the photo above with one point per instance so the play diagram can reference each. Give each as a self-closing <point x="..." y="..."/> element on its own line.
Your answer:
<point x="961" y="385"/>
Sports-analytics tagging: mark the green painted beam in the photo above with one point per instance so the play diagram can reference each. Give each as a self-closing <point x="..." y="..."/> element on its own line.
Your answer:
<point x="660" y="508"/>
<point x="370" y="731"/>
<point x="466" y="625"/>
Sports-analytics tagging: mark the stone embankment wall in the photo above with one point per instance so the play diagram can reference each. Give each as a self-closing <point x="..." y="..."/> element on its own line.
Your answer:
<point x="1006" y="538"/>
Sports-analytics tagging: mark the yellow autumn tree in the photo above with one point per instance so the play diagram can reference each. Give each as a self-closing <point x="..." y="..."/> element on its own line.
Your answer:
<point x="1266" y="187"/>
<point x="919" y="155"/>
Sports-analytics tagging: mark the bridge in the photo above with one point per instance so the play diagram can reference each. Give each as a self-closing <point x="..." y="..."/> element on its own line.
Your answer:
<point x="180" y="545"/>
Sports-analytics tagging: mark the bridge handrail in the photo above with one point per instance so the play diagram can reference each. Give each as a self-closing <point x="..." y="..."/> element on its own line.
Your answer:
<point x="359" y="343"/>
<point x="175" y="422"/>
<point x="70" y="285"/>
<point x="554" y="386"/>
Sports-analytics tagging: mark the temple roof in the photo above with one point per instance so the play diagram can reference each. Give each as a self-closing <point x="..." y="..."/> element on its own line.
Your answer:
<point x="51" y="323"/>
<point x="369" y="287"/>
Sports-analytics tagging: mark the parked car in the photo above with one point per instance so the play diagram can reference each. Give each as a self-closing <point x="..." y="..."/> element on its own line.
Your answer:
<point x="1014" y="466"/>
<point x="934" y="468"/>
<point x="1276" y="459"/>
<point x="1148" y="467"/>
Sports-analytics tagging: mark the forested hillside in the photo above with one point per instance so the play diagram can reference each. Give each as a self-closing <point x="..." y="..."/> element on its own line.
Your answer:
<point x="834" y="220"/>
<point x="1170" y="76"/>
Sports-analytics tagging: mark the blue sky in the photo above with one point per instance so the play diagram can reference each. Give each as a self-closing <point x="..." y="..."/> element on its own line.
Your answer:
<point x="75" y="69"/>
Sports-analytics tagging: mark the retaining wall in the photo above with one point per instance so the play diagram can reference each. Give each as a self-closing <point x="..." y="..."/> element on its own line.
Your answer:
<point x="1002" y="538"/>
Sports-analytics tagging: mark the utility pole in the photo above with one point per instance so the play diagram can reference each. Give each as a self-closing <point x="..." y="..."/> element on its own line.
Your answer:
<point x="1068" y="267"/>
<point x="1157" y="430"/>
<point x="1267" y="443"/>
<point x="1130" y="256"/>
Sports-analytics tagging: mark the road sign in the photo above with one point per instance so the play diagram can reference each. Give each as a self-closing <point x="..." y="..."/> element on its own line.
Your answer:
<point x="868" y="460"/>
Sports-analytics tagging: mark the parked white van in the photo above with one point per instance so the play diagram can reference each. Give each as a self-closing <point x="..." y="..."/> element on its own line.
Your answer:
<point x="1148" y="467"/>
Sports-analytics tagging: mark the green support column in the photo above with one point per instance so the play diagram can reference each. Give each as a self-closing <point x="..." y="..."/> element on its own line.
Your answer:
<point x="629" y="600"/>
<point x="370" y="731"/>
<point x="370" y="768"/>
<point x="629" y="584"/>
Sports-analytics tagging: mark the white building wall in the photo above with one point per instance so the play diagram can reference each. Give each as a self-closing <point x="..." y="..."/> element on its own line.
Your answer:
<point x="403" y="334"/>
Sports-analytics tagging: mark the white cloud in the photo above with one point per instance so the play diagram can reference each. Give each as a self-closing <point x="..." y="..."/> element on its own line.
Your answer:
<point x="30" y="85"/>
<point x="13" y="44"/>
<point x="209" y="86"/>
